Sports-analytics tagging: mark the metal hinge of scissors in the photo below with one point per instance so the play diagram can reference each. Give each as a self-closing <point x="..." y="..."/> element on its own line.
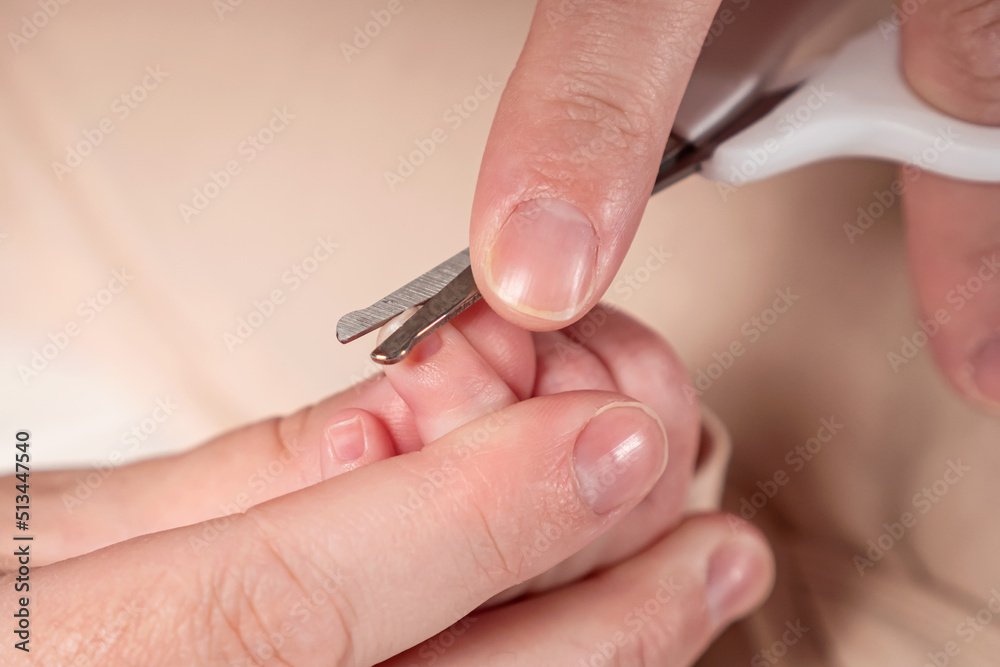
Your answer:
<point x="856" y="105"/>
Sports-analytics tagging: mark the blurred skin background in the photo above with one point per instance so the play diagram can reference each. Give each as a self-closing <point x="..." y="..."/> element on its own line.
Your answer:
<point x="236" y="159"/>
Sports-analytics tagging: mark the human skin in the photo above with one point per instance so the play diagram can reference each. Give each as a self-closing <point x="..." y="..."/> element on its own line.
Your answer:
<point x="605" y="67"/>
<point x="795" y="387"/>
<point x="402" y="506"/>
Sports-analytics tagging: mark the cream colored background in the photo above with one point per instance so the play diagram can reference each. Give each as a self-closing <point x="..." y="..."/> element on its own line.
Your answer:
<point x="323" y="176"/>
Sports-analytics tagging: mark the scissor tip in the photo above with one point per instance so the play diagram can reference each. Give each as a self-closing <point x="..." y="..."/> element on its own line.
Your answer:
<point x="386" y="359"/>
<point x="347" y="329"/>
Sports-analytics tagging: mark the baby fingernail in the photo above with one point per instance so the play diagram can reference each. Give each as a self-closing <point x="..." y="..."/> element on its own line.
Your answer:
<point x="344" y="443"/>
<point x="619" y="456"/>
<point x="423" y="350"/>
<point x="543" y="262"/>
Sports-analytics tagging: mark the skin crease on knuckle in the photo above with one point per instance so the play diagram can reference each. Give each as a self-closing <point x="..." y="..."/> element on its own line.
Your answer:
<point x="656" y="641"/>
<point x="483" y="396"/>
<point x="605" y="93"/>
<point x="625" y="91"/>
<point x="490" y="558"/>
<point x="973" y="28"/>
<point x="288" y="431"/>
<point x="674" y="634"/>
<point x="234" y="591"/>
<point x="597" y="110"/>
<point x="502" y="346"/>
<point x="952" y="57"/>
<point x="555" y="502"/>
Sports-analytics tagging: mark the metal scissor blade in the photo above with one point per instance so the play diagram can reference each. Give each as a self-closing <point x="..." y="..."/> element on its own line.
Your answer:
<point x="456" y="296"/>
<point x="360" y="322"/>
<point x="449" y="288"/>
<point x="681" y="159"/>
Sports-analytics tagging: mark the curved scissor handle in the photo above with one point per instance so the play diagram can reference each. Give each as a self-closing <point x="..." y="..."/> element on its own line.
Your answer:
<point x="858" y="106"/>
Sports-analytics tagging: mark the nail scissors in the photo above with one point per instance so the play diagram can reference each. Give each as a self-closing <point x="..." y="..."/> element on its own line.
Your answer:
<point x="739" y="129"/>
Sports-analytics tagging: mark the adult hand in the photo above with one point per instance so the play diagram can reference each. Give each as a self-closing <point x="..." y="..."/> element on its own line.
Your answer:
<point x="554" y="216"/>
<point x="345" y="550"/>
<point x="551" y="224"/>
<point x="951" y="56"/>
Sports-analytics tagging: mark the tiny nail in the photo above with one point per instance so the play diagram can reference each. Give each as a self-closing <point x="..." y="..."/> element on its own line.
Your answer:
<point x="392" y="325"/>
<point x="986" y="370"/>
<point x="543" y="261"/>
<point x="735" y="571"/>
<point x="423" y="350"/>
<point x="619" y="456"/>
<point x="345" y="439"/>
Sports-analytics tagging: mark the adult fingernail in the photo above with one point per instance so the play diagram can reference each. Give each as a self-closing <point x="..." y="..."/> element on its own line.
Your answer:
<point x="619" y="455"/>
<point x="344" y="443"/>
<point x="986" y="370"/>
<point x="543" y="262"/>
<point x="737" y="575"/>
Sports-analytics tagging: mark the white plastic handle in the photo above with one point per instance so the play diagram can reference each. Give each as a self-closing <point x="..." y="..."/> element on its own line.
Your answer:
<point x="858" y="106"/>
